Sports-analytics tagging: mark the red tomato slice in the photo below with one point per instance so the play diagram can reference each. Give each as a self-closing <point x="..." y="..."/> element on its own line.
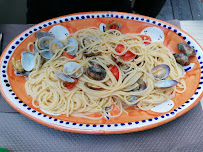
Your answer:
<point x="145" y="37"/>
<point x="128" y="56"/>
<point x="66" y="54"/>
<point x="69" y="85"/>
<point x="115" y="71"/>
<point x="119" y="48"/>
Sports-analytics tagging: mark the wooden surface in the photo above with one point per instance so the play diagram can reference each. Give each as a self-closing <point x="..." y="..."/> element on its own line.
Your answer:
<point x="195" y="29"/>
<point x="182" y="10"/>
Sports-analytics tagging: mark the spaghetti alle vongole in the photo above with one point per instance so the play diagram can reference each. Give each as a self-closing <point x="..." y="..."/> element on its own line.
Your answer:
<point x="92" y="71"/>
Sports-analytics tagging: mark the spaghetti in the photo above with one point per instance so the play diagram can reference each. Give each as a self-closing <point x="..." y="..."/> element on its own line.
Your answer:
<point x="125" y="60"/>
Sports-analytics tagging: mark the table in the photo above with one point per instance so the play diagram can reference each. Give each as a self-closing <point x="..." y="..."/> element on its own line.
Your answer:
<point x="20" y="134"/>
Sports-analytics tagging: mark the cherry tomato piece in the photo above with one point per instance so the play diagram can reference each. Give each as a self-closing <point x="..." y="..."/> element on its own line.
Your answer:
<point x="145" y="37"/>
<point x="115" y="71"/>
<point x="128" y="56"/>
<point x="69" y="85"/>
<point x="119" y="48"/>
<point x="66" y="54"/>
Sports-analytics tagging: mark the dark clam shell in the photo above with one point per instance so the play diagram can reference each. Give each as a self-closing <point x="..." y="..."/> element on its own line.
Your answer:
<point x="96" y="72"/>
<point x="39" y="35"/>
<point x="186" y="49"/>
<point x="182" y="59"/>
<point x="92" y="86"/>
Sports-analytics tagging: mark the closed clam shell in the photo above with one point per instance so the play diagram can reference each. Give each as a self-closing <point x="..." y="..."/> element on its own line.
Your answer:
<point x="182" y="59"/>
<point x="186" y="49"/>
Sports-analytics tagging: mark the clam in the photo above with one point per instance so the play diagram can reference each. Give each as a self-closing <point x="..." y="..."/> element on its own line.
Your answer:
<point x="17" y="66"/>
<point x="72" y="48"/>
<point x="142" y="85"/>
<point x="71" y="66"/>
<point x="186" y="49"/>
<point x="64" y="77"/>
<point x="117" y="59"/>
<point x="160" y="72"/>
<point x="27" y="60"/>
<point x="45" y="42"/>
<point x="182" y="59"/>
<point x="92" y="86"/>
<point x="60" y="32"/>
<point x="38" y="61"/>
<point x="55" y="44"/>
<point x="96" y="72"/>
<point x="39" y="35"/>
<point x="91" y="54"/>
<point x="166" y="83"/>
<point x="114" y="25"/>
<point x="132" y="99"/>
<point x="87" y="40"/>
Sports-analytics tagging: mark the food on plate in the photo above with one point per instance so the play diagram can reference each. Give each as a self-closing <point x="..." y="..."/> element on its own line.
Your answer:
<point x="186" y="51"/>
<point x="90" y="72"/>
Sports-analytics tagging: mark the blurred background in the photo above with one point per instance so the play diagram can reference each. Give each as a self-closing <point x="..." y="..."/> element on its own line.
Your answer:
<point x="14" y="11"/>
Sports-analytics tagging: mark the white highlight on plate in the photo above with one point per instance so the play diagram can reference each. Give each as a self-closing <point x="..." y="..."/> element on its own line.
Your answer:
<point x="188" y="67"/>
<point x="55" y="114"/>
<point x="164" y="106"/>
<point x="155" y="33"/>
<point x="59" y="31"/>
<point x="102" y="26"/>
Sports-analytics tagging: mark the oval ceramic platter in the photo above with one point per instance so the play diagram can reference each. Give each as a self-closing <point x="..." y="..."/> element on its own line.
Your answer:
<point x="12" y="85"/>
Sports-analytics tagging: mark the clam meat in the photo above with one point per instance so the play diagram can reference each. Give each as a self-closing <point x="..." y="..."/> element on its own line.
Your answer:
<point x="160" y="72"/>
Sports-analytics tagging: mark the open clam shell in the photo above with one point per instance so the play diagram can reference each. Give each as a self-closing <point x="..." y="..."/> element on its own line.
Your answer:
<point x="88" y="40"/>
<point x="45" y="42"/>
<point x="27" y="60"/>
<point x="160" y="72"/>
<point x="96" y="72"/>
<point x="47" y="54"/>
<point x="166" y="83"/>
<point x="39" y="35"/>
<point x="71" y="66"/>
<point x="64" y="77"/>
<point x="72" y="48"/>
